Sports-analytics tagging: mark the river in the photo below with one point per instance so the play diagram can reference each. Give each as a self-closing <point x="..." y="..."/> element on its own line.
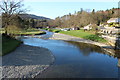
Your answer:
<point x="75" y="60"/>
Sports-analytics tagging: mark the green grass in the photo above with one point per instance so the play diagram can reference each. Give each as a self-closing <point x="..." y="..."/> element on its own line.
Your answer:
<point x="95" y="38"/>
<point x="45" y="28"/>
<point x="54" y="30"/>
<point x="2" y="30"/>
<point x="9" y="44"/>
<point x="85" y="35"/>
<point x="31" y="31"/>
<point x="76" y="33"/>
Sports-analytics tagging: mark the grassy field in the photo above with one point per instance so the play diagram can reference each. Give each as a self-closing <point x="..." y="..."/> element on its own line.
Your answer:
<point x="9" y="44"/>
<point x="32" y="31"/>
<point x="55" y="30"/>
<point x="89" y="35"/>
<point x="2" y="30"/>
<point x="52" y="30"/>
<point x="86" y="35"/>
<point x="76" y="33"/>
<point x="29" y="32"/>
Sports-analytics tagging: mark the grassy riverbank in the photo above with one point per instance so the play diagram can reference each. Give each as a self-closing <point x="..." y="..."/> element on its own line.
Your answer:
<point x="85" y="35"/>
<point x="76" y="33"/>
<point x="31" y="31"/>
<point x="89" y="35"/>
<point x="9" y="44"/>
<point x="52" y="30"/>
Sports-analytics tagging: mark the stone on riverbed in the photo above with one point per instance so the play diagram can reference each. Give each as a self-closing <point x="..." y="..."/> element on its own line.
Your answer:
<point x="26" y="62"/>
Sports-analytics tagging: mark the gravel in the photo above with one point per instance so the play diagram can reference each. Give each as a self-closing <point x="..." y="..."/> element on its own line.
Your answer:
<point x="58" y="36"/>
<point x="106" y="47"/>
<point x="26" y="62"/>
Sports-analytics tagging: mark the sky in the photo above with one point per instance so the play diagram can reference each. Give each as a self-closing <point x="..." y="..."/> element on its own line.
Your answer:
<point x="55" y="8"/>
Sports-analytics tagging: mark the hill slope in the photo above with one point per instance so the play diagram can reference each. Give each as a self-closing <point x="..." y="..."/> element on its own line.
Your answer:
<point x="31" y="16"/>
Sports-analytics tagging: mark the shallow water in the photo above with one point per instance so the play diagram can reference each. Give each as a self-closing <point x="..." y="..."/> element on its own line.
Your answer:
<point x="76" y="60"/>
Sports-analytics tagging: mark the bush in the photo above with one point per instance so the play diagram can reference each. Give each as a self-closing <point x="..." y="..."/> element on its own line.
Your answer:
<point x="56" y="31"/>
<point x="118" y="33"/>
<point x="13" y="29"/>
<point x="2" y="30"/>
<point x="111" y="23"/>
<point x="95" y="38"/>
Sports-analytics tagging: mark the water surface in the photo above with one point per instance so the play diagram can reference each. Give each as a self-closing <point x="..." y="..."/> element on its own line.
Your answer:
<point x="76" y="60"/>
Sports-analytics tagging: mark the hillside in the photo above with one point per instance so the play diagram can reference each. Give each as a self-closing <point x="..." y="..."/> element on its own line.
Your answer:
<point x="31" y="16"/>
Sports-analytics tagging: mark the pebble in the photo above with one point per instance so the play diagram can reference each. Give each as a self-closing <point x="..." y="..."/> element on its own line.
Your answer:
<point x="21" y="64"/>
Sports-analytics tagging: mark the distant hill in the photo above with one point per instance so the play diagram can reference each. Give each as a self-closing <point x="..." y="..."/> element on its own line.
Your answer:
<point x="31" y="16"/>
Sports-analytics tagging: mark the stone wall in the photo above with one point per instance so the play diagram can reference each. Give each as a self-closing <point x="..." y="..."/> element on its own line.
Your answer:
<point x="110" y="34"/>
<point x="117" y="44"/>
<point x="113" y="41"/>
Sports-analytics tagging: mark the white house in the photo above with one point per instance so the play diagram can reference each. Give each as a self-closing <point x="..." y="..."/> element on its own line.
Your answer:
<point x="113" y="20"/>
<point x="88" y="27"/>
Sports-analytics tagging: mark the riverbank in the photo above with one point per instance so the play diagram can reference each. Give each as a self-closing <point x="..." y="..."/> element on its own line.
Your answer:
<point x="24" y="32"/>
<point x="89" y="35"/>
<point x="9" y="44"/>
<point x="26" y="62"/>
<point x="58" y="36"/>
<point x="106" y="47"/>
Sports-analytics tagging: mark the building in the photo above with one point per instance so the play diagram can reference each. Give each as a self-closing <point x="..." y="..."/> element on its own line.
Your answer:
<point x="113" y="20"/>
<point x="88" y="27"/>
<point x="111" y="34"/>
<point x="75" y="28"/>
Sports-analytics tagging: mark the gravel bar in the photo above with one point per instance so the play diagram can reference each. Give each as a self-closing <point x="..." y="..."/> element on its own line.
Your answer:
<point x="106" y="47"/>
<point x="58" y="36"/>
<point x="26" y="62"/>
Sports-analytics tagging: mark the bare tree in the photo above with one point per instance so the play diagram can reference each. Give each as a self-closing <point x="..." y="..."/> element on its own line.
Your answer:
<point x="10" y="8"/>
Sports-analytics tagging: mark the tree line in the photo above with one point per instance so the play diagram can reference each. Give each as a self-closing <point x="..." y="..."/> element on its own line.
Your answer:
<point x="83" y="18"/>
<point x="12" y="9"/>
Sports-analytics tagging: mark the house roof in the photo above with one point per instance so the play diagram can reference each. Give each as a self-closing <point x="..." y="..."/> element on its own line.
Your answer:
<point x="114" y="19"/>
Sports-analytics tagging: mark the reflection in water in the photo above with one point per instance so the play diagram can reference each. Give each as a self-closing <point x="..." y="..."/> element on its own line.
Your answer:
<point x="119" y="62"/>
<point x="76" y="60"/>
<point x="117" y="53"/>
<point x="86" y="49"/>
<point x="118" y="73"/>
<point x="119" y="68"/>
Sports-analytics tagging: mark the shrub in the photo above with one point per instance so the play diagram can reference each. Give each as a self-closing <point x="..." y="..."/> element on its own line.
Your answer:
<point x="56" y="31"/>
<point x="13" y="29"/>
<point x="95" y="38"/>
<point x="111" y="23"/>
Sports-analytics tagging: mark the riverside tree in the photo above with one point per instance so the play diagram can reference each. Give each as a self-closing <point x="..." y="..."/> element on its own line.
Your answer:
<point x="10" y="9"/>
<point x="83" y="18"/>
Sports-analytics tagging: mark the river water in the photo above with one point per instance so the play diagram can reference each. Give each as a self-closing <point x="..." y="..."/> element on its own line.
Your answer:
<point x="75" y="60"/>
